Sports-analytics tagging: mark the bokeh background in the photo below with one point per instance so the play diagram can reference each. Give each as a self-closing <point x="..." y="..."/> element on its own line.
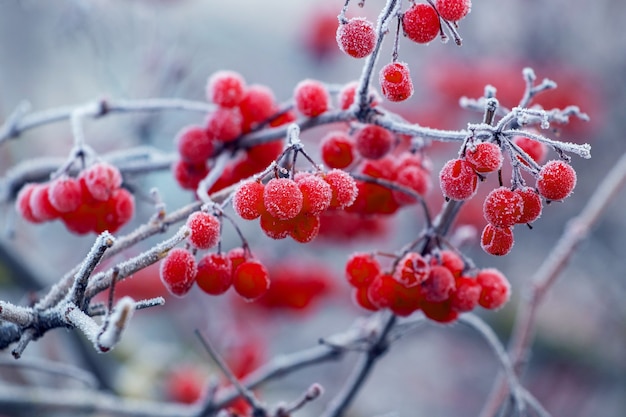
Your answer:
<point x="66" y="52"/>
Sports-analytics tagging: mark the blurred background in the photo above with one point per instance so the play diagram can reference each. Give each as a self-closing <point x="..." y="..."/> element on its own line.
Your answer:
<point x="62" y="53"/>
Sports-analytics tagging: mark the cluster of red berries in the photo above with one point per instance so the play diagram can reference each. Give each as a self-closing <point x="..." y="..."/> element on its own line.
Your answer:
<point x="240" y="109"/>
<point x="215" y="273"/>
<point x="292" y="207"/>
<point x="504" y="207"/>
<point x="408" y="170"/>
<point x="421" y="21"/>
<point x="437" y="285"/>
<point x="93" y="202"/>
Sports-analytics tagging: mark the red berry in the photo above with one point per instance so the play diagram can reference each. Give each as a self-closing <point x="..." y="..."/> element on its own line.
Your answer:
<point x="395" y="81"/>
<point x="536" y="150"/>
<point x="413" y="178"/>
<point x="421" y="23"/>
<point x="440" y="312"/>
<point x="194" y="145"/>
<point x="450" y="260"/>
<point x="373" y="142"/>
<point x="251" y="280"/>
<point x="361" y="298"/>
<point x="215" y="275"/>
<point x="224" y="124"/>
<point x="347" y="93"/>
<point x="316" y="193"/>
<point x="282" y="198"/>
<point x="532" y="205"/>
<point x="357" y="37"/>
<point x="497" y="240"/>
<point x="304" y="227"/>
<point x="556" y="180"/>
<point x="337" y="150"/>
<point x="453" y="10"/>
<point x="101" y="180"/>
<point x="205" y="230"/>
<point x="439" y="284"/>
<point x="405" y="300"/>
<point x="381" y="291"/>
<point x="362" y="269"/>
<point x="115" y="212"/>
<point x="311" y="98"/>
<point x="188" y="175"/>
<point x="264" y="154"/>
<point x="412" y="270"/>
<point x="83" y="220"/>
<point x="248" y="200"/>
<point x="65" y="194"/>
<point x="465" y="297"/>
<point x="484" y="157"/>
<point x="273" y="227"/>
<point x="225" y="88"/>
<point x="40" y="205"/>
<point x="343" y="187"/>
<point x="503" y="207"/>
<point x="22" y="203"/>
<point x="458" y="180"/>
<point x="237" y="256"/>
<point x="496" y="289"/>
<point x="185" y="384"/>
<point x="257" y="106"/>
<point x="178" y="271"/>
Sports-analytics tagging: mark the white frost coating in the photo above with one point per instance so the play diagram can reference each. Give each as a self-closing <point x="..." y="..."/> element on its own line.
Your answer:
<point x="115" y="324"/>
<point x="84" y="323"/>
<point x="293" y="134"/>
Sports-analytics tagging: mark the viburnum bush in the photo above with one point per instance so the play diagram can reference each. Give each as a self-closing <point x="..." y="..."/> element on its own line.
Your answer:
<point x="318" y="168"/>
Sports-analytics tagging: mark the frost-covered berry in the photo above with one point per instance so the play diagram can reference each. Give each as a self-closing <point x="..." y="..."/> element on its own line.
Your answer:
<point x="178" y="271"/>
<point x="503" y="207"/>
<point x="337" y="149"/>
<point x="484" y="157"/>
<point x="343" y="187"/>
<point x="465" y="297"/>
<point x="532" y="205"/>
<point x="536" y="150"/>
<point x="273" y="227"/>
<point x="248" y="200"/>
<point x="361" y="299"/>
<point x="316" y="193"/>
<point x="458" y="180"/>
<point x="412" y="270"/>
<point x="226" y="88"/>
<point x="361" y="269"/>
<point x="441" y="312"/>
<point x="205" y="230"/>
<point x="115" y="212"/>
<point x="214" y="274"/>
<point x="556" y="180"/>
<point x="495" y="288"/>
<point x="224" y="124"/>
<point x="311" y="97"/>
<point x="450" y="260"/>
<point x="282" y="198"/>
<point x="194" y="145"/>
<point x="101" y="179"/>
<point x="395" y="81"/>
<point x="439" y="284"/>
<point x="421" y="23"/>
<point x="357" y="37"/>
<point x="373" y="141"/>
<point x="347" y="93"/>
<point x="22" y="203"/>
<point x="65" y="194"/>
<point x="413" y="178"/>
<point x="497" y="241"/>
<point x="40" y="206"/>
<point x="453" y="10"/>
<point x="258" y="105"/>
<point x="251" y="280"/>
<point x="305" y="227"/>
